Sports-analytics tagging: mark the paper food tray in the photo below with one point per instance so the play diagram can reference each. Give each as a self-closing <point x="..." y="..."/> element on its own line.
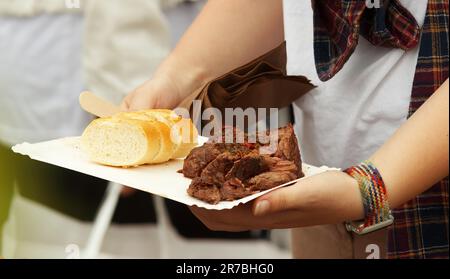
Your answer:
<point x="160" y="179"/>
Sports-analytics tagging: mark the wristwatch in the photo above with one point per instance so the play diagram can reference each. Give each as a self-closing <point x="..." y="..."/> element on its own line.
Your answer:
<point x="360" y="227"/>
<point x="377" y="212"/>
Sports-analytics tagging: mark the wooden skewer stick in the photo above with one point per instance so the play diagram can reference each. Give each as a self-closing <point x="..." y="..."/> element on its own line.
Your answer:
<point x="96" y="105"/>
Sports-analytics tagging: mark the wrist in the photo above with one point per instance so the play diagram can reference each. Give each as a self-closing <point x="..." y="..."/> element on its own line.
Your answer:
<point x="334" y="195"/>
<point x="185" y="77"/>
<point x="377" y="213"/>
<point x="353" y="198"/>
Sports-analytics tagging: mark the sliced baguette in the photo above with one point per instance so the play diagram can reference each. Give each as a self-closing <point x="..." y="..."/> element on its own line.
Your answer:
<point x="136" y="138"/>
<point x="121" y="142"/>
<point x="183" y="133"/>
<point x="187" y="137"/>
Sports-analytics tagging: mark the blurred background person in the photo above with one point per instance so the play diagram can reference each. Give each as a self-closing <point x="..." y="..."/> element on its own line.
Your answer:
<point x="50" y="51"/>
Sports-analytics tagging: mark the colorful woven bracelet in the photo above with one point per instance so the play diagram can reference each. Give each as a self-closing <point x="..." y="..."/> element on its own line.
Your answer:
<point x="373" y="192"/>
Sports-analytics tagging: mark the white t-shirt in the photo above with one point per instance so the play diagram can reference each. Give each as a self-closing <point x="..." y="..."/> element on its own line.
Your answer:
<point x="40" y="78"/>
<point x="344" y="120"/>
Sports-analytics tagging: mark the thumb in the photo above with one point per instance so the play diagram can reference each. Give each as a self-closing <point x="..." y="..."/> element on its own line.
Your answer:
<point x="125" y="105"/>
<point x="278" y="200"/>
<point x="127" y="101"/>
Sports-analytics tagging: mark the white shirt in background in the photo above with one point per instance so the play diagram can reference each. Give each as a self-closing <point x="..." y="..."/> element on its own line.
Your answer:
<point x="49" y="53"/>
<point x="344" y="120"/>
<point x="40" y="78"/>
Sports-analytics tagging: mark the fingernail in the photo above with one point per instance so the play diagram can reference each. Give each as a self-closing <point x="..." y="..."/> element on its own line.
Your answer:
<point x="262" y="207"/>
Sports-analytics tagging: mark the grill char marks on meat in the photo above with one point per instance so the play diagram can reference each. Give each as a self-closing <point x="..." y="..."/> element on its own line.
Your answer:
<point x="230" y="171"/>
<point x="201" y="156"/>
<point x="280" y="172"/>
<point x="214" y="173"/>
<point x="249" y="166"/>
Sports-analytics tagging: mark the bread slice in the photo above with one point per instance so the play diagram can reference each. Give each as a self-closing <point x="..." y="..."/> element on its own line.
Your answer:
<point x="183" y="133"/>
<point x="187" y="137"/>
<point x="136" y="138"/>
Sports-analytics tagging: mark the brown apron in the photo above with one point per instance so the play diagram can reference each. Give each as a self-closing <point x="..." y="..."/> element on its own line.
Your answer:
<point x="261" y="83"/>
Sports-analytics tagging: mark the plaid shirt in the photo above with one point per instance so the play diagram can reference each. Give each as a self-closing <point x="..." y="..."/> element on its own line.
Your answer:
<point x="420" y="229"/>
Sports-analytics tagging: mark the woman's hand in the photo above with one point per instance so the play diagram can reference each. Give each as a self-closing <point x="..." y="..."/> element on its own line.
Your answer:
<point x="162" y="91"/>
<point x="326" y="198"/>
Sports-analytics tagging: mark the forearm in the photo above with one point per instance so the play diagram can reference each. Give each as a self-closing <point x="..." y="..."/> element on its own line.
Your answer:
<point x="416" y="156"/>
<point x="410" y="162"/>
<point x="226" y="34"/>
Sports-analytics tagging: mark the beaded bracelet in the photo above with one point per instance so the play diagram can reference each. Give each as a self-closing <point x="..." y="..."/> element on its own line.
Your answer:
<point x="373" y="191"/>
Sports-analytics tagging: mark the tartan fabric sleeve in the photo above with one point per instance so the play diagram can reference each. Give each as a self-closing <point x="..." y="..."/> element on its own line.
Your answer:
<point x="421" y="227"/>
<point x="338" y="25"/>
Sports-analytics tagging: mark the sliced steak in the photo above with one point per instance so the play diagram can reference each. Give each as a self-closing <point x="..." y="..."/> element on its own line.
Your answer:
<point x="204" y="192"/>
<point x="230" y="171"/>
<point x="215" y="172"/>
<point x="268" y="180"/>
<point x="249" y="166"/>
<point x="199" y="158"/>
<point x="234" y="189"/>
<point x="288" y="147"/>
<point x="277" y="165"/>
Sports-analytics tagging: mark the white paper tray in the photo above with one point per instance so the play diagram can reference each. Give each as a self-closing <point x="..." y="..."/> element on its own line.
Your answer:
<point x="161" y="179"/>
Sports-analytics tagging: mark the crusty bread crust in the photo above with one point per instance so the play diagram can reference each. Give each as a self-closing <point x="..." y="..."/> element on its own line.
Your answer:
<point x="136" y="138"/>
<point x="188" y="138"/>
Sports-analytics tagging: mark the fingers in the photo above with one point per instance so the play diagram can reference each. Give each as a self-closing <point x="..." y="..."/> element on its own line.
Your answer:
<point x="156" y="93"/>
<point x="241" y="218"/>
<point x="141" y="98"/>
<point x="127" y="102"/>
<point x="125" y="105"/>
<point x="273" y="210"/>
<point x="287" y="198"/>
<point x="230" y="220"/>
